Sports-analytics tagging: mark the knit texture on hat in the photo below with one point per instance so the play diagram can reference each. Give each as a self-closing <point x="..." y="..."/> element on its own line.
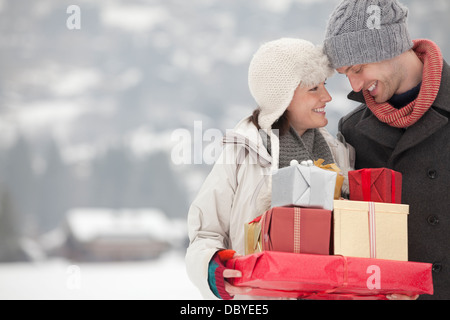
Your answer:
<point x="366" y="31"/>
<point x="431" y="56"/>
<point x="278" y="68"/>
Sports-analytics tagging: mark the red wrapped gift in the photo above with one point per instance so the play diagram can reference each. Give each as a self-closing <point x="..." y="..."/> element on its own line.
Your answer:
<point x="297" y="230"/>
<point x="377" y="185"/>
<point x="310" y="276"/>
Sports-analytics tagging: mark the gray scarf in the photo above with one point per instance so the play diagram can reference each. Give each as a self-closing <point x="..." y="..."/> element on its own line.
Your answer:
<point x="310" y="146"/>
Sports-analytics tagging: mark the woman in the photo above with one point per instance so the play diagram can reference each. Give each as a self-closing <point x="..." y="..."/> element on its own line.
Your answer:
<point x="287" y="79"/>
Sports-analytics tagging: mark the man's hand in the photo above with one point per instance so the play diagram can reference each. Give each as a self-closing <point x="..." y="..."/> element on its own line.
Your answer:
<point x="396" y="296"/>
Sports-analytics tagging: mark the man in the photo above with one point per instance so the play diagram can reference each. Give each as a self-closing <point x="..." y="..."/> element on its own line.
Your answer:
<point x="403" y="121"/>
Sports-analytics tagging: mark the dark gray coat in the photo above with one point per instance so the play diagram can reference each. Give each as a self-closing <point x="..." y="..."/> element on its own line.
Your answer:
<point x="422" y="154"/>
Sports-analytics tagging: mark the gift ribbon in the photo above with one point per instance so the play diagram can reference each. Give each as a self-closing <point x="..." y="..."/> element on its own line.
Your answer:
<point x="393" y="187"/>
<point x="372" y="231"/>
<point x="365" y="183"/>
<point x="297" y="230"/>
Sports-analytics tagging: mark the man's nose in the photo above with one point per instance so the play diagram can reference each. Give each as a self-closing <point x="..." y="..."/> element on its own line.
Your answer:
<point x="356" y="83"/>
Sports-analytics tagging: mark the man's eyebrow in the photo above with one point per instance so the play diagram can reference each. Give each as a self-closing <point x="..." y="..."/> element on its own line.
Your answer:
<point x="346" y="70"/>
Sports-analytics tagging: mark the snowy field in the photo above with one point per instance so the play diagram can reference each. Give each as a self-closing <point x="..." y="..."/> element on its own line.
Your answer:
<point x="162" y="279"/>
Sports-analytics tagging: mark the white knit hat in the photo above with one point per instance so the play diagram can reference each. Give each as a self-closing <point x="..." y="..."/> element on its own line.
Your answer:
<point x="278" y="68"/>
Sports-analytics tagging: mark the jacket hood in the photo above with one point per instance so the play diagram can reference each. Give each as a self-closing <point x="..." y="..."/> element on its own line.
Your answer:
<point x="246" y="134"/>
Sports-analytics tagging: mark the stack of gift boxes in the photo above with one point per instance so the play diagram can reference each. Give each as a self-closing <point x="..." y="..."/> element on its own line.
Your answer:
<point x="313" y="244"/>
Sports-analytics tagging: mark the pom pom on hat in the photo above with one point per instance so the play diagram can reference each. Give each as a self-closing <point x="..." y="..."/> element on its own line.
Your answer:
<point x="278" y="68"/>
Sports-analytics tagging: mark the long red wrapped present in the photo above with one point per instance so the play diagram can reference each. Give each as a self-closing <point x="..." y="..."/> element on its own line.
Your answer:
<point x="310" y="276"/>
<point x="376" y="184"/>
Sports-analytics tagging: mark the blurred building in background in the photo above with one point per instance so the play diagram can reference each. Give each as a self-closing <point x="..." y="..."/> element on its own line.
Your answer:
<point x="114" y="235"/>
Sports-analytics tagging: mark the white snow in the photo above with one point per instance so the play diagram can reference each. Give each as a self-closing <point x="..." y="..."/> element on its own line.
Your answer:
<point x="162" y="279"/>
<point x="89" y="223"/>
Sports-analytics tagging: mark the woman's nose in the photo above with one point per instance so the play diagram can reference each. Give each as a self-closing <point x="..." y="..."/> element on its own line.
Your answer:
<point x="326" y="97"/>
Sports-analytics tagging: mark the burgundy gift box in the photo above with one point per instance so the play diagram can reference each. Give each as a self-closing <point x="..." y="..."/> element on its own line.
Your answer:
<point x="330" y="277"/>
<point x="376" y="185"/>
<point x="297" y="230"/>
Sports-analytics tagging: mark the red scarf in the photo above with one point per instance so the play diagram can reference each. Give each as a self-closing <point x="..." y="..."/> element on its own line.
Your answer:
<point x="430" y="54"/>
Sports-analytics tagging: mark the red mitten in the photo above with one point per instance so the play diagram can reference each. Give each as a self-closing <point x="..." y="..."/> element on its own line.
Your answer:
<point x="215" y="273"/>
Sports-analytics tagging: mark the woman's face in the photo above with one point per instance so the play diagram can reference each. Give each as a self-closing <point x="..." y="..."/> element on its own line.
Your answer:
<point x="307" y="108"/>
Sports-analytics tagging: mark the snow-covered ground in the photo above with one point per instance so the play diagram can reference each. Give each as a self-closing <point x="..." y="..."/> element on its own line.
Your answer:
<point x="162" y="279"/>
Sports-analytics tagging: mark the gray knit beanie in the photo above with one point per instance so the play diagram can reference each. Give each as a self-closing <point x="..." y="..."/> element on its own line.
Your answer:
<point x="366" y="31"/>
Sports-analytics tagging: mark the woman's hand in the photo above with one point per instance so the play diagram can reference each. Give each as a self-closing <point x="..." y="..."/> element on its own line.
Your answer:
<point x="218" y="274"/>
<point x="233" y="290"/>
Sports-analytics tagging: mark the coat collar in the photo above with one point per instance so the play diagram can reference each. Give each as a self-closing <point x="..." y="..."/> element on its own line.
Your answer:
<point x="399" y="139"/>
<point x="443" y="98"/>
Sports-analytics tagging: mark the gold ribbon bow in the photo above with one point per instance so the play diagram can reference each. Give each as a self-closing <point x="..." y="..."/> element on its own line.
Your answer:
<point x="339" y="176"/>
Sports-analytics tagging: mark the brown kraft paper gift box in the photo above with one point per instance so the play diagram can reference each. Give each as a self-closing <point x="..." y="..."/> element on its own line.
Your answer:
<point x="370" y="229"/>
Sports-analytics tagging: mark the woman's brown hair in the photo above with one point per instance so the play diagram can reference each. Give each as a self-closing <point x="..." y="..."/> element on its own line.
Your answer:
<point x="282" y="124"/>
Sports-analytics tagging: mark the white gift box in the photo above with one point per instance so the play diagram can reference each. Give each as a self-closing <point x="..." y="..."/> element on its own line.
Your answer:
<point x="303" y="185"/>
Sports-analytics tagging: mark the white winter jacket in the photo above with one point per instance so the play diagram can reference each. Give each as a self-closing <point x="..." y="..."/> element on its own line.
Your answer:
<point x="237" y="190"/>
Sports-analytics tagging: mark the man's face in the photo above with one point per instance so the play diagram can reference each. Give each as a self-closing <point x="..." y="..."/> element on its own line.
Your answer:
<point x="381" y="79"/>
